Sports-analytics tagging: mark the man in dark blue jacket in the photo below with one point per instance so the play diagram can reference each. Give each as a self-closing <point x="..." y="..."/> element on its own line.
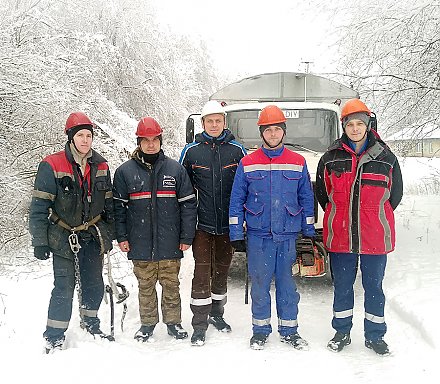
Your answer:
<point x="155" y="217"/>
<point x="273" y="195"/>
<point x="211" y="162"/>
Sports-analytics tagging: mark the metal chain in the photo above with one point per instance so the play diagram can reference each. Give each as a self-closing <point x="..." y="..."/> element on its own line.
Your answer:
<point x="78" y="284"/>
<point x="75" y="247"/>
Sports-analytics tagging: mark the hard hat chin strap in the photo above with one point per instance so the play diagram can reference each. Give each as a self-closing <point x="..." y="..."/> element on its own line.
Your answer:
<point x="273" y="146"/>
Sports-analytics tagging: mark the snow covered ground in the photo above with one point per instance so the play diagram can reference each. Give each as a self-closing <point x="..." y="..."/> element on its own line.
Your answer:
<point x="412" y="286"/>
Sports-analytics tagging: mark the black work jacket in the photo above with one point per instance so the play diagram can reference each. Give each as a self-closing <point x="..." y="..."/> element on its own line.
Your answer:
<point x="155" y="208"/>
<point x="61" y="188"/>
<point x="211" y="164"/>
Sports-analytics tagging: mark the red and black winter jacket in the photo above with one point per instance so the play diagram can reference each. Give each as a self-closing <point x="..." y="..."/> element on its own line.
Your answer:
<point x="74" y="198"/>
<point x="358" y="194"/>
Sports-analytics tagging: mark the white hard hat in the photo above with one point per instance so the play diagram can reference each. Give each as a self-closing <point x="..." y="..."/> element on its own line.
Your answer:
<point x="212" y="107"/>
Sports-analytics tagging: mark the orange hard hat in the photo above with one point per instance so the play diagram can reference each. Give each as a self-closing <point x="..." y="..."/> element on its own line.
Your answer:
<point x="148" y="127"/>
<point x="271" y="115"/>
<point x="76" y="119"/>
<point x="354" y="106"/>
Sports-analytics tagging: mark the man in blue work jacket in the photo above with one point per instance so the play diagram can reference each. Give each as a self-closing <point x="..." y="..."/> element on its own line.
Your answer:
<point x="273" y="194"/>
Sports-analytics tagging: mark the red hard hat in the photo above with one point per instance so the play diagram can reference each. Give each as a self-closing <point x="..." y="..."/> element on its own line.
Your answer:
<point x="271" y="115"/>
<point x="354" y="106"/>
<point x="75" y="119"/>
<point x="148" y="127"/>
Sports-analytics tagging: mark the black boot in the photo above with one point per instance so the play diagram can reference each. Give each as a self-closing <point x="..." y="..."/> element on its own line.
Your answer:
<point x="198" y="337"/>
<point x="144" y="333"/>
<point x="94" y="329"/>
<point x="378" y="346"/>
<point x="339" y="341"/>
<point x="177" y="331"/>
<point x="258" y="341"/>
<point x="219" y="323"/>
<point x="54" y="344"/>
<point x="296" y="341"/>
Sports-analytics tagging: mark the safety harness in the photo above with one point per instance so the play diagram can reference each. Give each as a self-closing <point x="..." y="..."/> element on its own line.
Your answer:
<point x="112" y="288"/>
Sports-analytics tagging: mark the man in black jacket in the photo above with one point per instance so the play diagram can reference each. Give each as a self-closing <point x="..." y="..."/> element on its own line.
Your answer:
<point x="155" y="214"/>
<point x="211" y="161"/>
<point x="71" y="217"/>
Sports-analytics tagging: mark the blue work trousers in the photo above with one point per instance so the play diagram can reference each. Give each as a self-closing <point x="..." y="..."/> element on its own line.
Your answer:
<point x="344" y="268"/>
<point x="268" y="259"/>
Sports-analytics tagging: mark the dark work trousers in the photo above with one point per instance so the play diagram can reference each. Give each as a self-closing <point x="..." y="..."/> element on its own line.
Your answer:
<point x="92" y="285"/>
<point x="212" y="257"/>
<point x="344" y="268"/>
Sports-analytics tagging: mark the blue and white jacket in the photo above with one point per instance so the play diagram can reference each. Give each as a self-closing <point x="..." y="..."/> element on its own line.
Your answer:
<point x="273" y="194"/>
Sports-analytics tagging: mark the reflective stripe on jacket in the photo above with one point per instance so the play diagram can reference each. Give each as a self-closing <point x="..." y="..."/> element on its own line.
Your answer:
<point x="274" y="196"/>
<point x="211" y="164"/>
<point x="155" y="208"/>
<point x="358" y="194"/>
<point x="75" y="198"/>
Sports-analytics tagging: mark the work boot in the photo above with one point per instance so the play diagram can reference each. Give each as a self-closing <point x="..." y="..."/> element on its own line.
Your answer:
<point x="198" y="337"/>
<point x="144" y="333"/>
<point x="378" y="346"/>
<point x="54" y="344"/>
<point x="258" y="340"/>
<point x="95" y="330"/>
<point x="296" y="341"/>
<point x="339" y="341"/>
<point x="177" y="331"/>
<point x="219" y="323"/>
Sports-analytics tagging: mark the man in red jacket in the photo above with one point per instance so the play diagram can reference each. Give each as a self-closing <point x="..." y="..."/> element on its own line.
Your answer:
<point x="358" y="185"/>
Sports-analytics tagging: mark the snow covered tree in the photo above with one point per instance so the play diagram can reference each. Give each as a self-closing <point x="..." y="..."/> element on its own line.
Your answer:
<point x="110" y="59"/>
<point x="390" y="53"/>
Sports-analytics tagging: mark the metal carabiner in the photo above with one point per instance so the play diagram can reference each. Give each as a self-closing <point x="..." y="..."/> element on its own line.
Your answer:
<point x="74" y="243"/>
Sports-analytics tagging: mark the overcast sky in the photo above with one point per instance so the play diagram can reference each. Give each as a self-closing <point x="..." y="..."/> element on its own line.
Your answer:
<point x="253" y="36"/>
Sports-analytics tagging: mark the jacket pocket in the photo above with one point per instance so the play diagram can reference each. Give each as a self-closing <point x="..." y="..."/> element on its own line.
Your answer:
<point x="258" y="182"/>
<point x="58" y="239"/>
<point x="290" y="182"/>
<point x="134" y="186"/>
<point x="254" y="215"/>
<point x="293" y="219"/>
<point x="137" y="193"/>
<point x="256" y="175"/>
<point x="292" y="175"/>
<point x="101" y="186"/>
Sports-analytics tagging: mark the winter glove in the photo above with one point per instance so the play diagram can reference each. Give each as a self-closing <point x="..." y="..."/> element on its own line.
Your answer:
<point x="42" y="252"/>
<point x="239" y="245"/>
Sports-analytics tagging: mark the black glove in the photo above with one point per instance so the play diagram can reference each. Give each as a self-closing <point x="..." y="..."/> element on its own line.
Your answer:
<point x="239" y="245"/>
<point x="42" y="252"/>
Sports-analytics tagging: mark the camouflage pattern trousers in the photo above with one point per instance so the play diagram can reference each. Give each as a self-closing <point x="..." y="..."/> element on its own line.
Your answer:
<point x="166" y="272"/>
